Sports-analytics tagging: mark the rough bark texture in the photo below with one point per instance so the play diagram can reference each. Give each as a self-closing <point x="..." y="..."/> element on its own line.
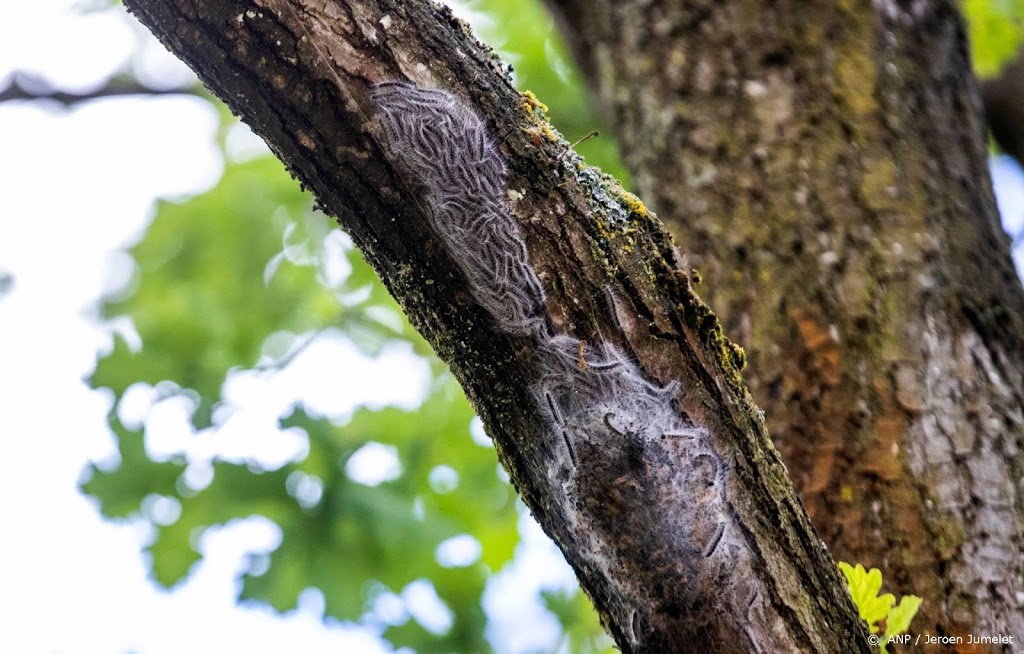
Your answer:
<point x="689" y="540"/>
<point x="824" y="167"/>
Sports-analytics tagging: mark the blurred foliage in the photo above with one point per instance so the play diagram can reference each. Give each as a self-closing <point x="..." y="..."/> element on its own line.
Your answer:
<point x="582" y="631"/>
<point x="239" y="279"/>
<point x="996" y="29"/>
<point x="213" y="285"/>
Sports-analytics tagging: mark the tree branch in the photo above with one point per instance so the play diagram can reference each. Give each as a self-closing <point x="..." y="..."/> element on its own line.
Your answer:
<point x="24" y="87"/>
<point x="612" y="397"/>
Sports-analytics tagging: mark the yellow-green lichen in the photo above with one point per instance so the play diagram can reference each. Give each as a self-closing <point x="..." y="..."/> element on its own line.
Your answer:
<point x="731" y="357"/>
<point x="878" y="183"/>
<point x="856" y="82"/>
<point x="531" y="104"/>
<point x="633" y="204"/>
<point x="739" y="355"/>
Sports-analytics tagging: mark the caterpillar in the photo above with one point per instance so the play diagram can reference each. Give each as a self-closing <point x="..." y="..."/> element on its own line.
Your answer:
<point x="445" y="146"/>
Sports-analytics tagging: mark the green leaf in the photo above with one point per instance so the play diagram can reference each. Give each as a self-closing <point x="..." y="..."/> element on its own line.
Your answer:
<point x="120" y="492"/>
<point x="864" y="587"/>
<point x="172" y="554"/>
<point x="899" y="618"/>
<point x="996" y="30"/>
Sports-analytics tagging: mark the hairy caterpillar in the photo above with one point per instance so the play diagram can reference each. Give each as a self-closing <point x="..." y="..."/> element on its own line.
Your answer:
<point x="448" y="149"/>
<point x="591" y="396"/>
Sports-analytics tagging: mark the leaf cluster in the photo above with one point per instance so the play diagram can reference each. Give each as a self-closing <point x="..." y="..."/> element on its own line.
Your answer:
<point x="217" y="292"/>
<point x="996" y="29"/>
<point x="879" y="611"/>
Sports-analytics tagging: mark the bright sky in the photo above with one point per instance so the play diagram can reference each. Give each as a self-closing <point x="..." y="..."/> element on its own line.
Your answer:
<point x="79" y="186"/>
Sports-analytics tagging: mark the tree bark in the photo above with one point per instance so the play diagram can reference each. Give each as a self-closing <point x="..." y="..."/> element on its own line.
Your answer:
<point x="825" y="167"/>
<point x="613" y="399"/>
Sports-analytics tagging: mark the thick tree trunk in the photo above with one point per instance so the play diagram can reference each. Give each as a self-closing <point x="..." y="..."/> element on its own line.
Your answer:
<point x="612" y="397"/>
<point x="824" y="167"/>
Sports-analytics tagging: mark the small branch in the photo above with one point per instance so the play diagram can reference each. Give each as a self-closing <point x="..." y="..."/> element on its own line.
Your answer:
<point x="23" y="87"/>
